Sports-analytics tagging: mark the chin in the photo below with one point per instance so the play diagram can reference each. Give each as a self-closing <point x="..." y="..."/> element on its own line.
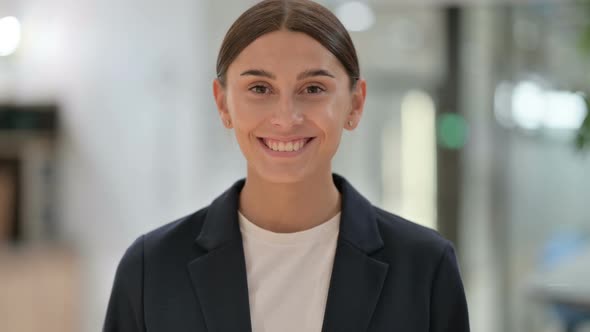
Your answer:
<point x="282" y="176"/>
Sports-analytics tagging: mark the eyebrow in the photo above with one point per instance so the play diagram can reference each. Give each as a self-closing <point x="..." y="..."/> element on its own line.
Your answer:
<point x="314" y="72"/>
<point x="258" y="72"/>
<point x="305" y="74"/>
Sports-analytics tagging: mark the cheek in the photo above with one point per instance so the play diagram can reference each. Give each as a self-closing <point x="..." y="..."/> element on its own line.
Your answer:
<point x="245" y="114"/>
<point x="329" y="116"/>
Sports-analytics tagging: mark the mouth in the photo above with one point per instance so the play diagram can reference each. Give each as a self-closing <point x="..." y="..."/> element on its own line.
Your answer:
<point x="286" y="147"/>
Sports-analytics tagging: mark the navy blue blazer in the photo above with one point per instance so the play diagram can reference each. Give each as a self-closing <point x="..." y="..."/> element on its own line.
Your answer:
<point x="389" y="275"/>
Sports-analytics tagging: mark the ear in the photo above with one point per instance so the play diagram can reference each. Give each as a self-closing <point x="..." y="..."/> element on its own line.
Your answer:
<point x="220" y="96"/>
<point x="359" y="95"/>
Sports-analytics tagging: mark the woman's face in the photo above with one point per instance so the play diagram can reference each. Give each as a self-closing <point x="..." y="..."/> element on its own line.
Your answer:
<point x="288" y="99"/>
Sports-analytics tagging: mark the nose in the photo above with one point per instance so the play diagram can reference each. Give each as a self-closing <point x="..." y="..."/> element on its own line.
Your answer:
<point x="286" y="113"/>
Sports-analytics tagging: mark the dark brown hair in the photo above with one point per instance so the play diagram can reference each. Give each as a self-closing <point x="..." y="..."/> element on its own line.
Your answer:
<point x="304" y="16"/>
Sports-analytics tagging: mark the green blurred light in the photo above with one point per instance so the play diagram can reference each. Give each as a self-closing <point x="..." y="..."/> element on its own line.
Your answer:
<point x="451" y="131"/>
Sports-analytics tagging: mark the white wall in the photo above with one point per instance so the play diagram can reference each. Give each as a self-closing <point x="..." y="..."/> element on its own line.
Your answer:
<point x="139" y="135"/>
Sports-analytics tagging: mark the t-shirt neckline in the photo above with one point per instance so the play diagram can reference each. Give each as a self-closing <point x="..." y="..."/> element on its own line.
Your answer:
<point x="318" y="233"/>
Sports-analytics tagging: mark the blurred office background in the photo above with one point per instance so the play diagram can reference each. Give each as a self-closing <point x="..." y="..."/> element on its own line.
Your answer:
<point x="474" y="126"/>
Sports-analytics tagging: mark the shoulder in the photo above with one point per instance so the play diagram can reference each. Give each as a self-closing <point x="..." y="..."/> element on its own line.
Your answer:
<point x="411" y="242"/>
<point x="406" y="231"/>
<point x="154" y="258"/>
<point x="185" y="229"/>
<point x="164" y="241"/>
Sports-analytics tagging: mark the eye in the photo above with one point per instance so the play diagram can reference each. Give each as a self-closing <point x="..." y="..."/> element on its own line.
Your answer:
<point x="260" y="89"/>
<point x="314" y="89"/>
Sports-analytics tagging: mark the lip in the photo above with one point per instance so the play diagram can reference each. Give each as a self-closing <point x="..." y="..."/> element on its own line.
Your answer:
<point x="285" y="154"/>
<point x="285" y="139"/>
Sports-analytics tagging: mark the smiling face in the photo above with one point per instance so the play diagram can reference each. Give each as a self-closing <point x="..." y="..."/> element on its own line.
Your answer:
<point x="288" y="99"/>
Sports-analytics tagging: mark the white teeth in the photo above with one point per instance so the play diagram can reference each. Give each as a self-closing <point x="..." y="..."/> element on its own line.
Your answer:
<point x="284" y="146"/>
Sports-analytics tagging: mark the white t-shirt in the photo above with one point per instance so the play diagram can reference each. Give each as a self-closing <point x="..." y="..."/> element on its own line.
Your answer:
<point x="288" y="275"/>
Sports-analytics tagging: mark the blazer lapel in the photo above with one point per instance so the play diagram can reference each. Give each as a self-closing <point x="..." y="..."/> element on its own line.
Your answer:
<point x="219" y="276"/>
<point x="357" y="278"/>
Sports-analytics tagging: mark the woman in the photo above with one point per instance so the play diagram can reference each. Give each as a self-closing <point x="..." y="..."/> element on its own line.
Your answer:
<point x="293" y="247"/>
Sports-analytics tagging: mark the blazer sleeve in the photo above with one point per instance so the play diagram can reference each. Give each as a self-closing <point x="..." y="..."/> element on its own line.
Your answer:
<point x="125" y="307"/>
<point x="448" y="306"/>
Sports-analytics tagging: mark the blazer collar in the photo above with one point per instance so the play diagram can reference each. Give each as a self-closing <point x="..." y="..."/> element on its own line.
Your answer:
<point x="358" y="224"/>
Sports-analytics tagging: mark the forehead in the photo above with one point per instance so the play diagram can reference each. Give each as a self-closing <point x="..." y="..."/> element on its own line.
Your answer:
<point x="286" y="52"/>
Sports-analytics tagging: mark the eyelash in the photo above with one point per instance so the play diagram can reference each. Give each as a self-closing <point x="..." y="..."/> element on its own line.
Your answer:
<point x="266" y="87"/>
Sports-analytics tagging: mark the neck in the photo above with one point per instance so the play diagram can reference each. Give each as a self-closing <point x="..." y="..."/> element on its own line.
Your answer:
<point x="289" y="207"/>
